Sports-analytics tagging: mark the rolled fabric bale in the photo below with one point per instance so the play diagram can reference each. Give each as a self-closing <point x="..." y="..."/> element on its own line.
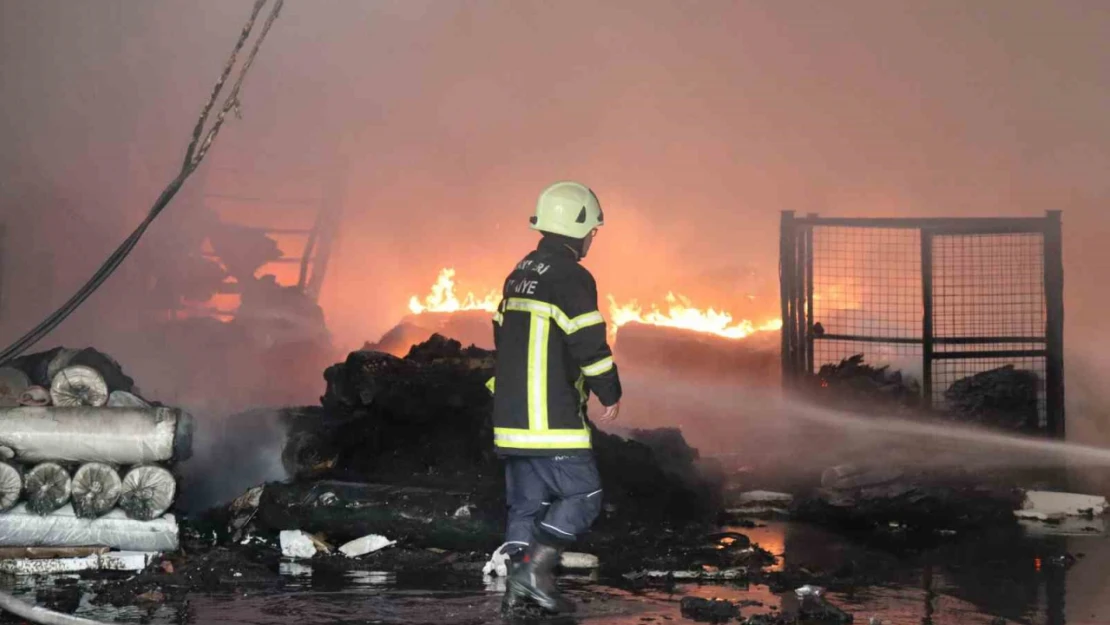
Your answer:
<point x="78" y="386"/>
<point x="35" y="396"/>
<point x="148" y="491"/>
<point x="119" y="436"/>
<point x="11" y="486"/>
<point x="62" y="528"/>
<point x="96" y="489"/>
<point x="48" y="487"/>
<point x="13" y="383"/>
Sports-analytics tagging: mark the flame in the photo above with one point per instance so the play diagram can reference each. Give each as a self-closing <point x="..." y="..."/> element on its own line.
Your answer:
<point x="442" y="297"/>
<point x="682" y="314"/>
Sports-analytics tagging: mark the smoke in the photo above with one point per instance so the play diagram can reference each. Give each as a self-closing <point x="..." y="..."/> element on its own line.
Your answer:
<point x="437" y="124"/>
<point x="775" y="437"/>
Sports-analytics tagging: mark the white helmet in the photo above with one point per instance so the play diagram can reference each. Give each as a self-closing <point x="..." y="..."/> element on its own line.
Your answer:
<point x="568" y="208"/>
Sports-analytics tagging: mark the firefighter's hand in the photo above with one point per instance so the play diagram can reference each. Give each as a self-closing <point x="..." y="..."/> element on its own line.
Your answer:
<point x="610" y="413"/>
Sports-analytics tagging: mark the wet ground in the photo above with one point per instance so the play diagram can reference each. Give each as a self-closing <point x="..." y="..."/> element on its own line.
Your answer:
<point x="1018" y="576"/>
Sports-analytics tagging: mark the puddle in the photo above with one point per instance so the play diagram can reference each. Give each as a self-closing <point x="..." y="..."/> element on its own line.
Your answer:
<point x="1009" y="574"/>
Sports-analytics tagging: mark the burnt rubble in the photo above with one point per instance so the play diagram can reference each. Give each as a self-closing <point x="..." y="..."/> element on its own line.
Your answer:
<point x="1005" y="398"/>
<point x="401" y="447"/>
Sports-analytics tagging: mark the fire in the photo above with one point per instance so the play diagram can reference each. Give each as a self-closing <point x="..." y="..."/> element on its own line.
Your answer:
<point x="682" y="314"/>
<point x="679" y="311"/>
<point x="443" y="299"/>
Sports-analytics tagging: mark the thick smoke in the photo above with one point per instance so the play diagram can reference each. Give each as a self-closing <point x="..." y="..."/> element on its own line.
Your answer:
<point x="437" y="123"/>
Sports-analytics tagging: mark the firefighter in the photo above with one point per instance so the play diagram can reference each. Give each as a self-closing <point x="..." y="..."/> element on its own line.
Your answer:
<point x="552" y="353"/>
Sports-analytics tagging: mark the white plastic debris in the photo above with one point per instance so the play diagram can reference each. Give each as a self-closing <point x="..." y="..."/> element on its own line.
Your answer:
<point x="809" y="591"/>
<point x="78" y="386"/>
<point x="297" y="544"/>
<point x="1043" y="505"/>
<point x="498" y="564"/>
<point x="579" y="561"/>
<point x="367" y="544"/>
<point x="463" y="512"/>
<point x="62" y="528"/>
<point x="121" y="436"/>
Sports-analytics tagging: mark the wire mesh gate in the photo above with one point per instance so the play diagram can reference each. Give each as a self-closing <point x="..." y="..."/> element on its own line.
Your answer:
<point x="938" y="299"/>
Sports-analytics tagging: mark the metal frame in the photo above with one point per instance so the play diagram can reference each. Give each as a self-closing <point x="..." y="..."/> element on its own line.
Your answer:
<point x="796" y="271"/>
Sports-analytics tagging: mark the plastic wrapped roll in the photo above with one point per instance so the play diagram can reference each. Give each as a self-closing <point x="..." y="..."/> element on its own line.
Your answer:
<point x="20" y="528"/>
<point x="13" y="383"/>
<point x="11" y="486"/>
<point x="48" y="487"/>
<point x="78" y="386"/>
<point x="96" y="489"/>
<point x="119" y="436"/>
<point x="148" y="491"/>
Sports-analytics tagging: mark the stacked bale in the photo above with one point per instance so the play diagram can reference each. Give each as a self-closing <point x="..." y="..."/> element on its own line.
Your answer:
<point x="84" y="459"/>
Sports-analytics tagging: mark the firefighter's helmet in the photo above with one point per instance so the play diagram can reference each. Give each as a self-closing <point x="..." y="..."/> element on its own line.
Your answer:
<point x="568" y="208"/>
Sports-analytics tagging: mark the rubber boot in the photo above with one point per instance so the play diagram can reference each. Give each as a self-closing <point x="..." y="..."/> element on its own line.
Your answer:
<point x="535" y="579"/>
<point x="512" y="600"/>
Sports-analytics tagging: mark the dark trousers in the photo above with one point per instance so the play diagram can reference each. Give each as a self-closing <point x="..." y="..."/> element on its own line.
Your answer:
<point x="554" y="499"/>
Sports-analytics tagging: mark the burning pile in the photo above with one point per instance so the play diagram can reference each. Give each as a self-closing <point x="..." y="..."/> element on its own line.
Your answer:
<point x="402" y="447"/>
<point x="83" y="458"/>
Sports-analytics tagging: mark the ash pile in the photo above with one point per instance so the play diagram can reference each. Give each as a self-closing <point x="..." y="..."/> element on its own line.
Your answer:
<point x="86" y="464"/>
<point x="401" y="447"/>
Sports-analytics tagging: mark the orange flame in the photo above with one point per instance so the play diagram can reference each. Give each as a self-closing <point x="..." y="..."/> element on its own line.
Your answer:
<point x="443" y="299"/>
<point x="682" y="314"/>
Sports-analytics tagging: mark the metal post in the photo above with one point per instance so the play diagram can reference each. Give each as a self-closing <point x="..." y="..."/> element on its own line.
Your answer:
<point x="809" y="364"/>
<point x="927" y="317"/>
<point x="787" y="254"/>
<point x="797" y="298"/>
<point x="1054" y="324"/>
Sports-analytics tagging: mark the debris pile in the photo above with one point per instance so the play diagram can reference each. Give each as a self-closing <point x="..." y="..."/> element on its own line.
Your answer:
<point x="84" y="459"/>
<point x="402" y="447"/>
<point x="854" y="384"/>
<point x="884" y="497"/>
<point x="1005" y="398"/>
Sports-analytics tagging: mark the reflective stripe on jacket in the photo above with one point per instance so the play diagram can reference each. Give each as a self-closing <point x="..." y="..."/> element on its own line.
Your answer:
<point x="552" y="353"/>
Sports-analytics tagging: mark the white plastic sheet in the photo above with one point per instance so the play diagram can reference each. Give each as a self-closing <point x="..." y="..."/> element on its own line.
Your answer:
<point x="62" y="528"/>
<point x="113" y="435"/>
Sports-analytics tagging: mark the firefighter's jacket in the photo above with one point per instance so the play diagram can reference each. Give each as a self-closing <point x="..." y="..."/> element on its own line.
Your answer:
<point x="551" y="354"/>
